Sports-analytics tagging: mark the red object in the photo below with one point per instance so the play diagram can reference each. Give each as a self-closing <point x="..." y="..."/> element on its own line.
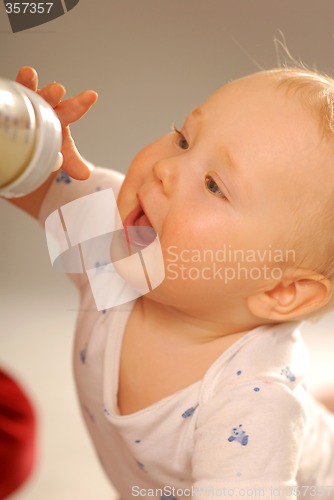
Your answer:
<point x="17" y="435"/>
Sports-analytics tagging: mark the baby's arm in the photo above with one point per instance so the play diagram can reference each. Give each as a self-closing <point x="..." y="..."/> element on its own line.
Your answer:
<point x="68" y="111"/>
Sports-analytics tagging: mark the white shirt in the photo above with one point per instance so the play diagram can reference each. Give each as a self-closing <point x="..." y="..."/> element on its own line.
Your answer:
<point x="249" y="428"/>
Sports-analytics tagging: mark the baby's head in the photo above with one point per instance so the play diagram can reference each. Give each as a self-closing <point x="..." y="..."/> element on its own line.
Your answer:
<point x="242" y="198"/>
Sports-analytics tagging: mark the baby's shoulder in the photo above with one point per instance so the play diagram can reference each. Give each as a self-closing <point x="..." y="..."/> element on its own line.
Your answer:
<point x="273" y="354"/>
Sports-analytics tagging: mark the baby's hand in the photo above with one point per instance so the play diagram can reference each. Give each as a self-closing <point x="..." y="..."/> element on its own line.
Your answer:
<point x="68" y="111"/>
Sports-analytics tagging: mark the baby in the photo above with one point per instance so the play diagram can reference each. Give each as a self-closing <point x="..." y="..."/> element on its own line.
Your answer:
<point x="196" y="389"/>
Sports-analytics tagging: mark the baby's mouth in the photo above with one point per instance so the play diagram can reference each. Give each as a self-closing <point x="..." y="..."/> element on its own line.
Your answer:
<point x="138" y="228"/>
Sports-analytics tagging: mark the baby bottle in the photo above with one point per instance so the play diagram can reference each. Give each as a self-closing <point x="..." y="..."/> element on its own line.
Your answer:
<point x="30" y="140"/>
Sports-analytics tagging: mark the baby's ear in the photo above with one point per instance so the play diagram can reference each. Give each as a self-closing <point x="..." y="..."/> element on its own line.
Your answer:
<point x="300" y="293"/>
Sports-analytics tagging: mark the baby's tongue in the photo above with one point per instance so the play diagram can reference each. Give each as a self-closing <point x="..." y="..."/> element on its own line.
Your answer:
<point x="141" y="233"/>
<point x="144" y="233"/>
<point x="143" y="221"/>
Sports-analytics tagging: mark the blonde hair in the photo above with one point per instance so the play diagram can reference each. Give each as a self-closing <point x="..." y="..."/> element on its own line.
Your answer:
<point x="316" y="91"/>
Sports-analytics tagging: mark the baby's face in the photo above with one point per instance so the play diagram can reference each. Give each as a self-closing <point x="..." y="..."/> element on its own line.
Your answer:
<point x="242" y="173"/>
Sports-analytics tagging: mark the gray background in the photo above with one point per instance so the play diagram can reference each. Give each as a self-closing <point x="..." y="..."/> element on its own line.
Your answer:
<point x="151" y="61"/>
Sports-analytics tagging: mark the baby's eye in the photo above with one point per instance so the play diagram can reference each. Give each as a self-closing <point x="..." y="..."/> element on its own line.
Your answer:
<point x="213" y="187"/>
<point x="181" y="140"/>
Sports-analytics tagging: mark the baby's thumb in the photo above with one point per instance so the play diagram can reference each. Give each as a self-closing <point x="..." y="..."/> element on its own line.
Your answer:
<point x="73" y="163"/>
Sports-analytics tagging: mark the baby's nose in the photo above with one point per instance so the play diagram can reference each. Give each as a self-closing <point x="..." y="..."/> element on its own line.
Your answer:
<point x="167" y="171"/>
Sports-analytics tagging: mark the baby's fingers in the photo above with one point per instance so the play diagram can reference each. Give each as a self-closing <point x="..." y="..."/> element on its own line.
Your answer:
<point x="27" y="76"/>
<point x="52" y="93"/>
<point x="73" y="109"/>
